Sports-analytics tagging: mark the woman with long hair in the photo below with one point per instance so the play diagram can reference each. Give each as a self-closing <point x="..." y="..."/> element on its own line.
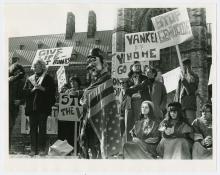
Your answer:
<point x="177" y="135"/>
<point x="145" y="135"/>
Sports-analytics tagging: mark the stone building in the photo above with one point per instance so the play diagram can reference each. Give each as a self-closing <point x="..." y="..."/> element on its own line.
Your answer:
<point x="130" y="20"/>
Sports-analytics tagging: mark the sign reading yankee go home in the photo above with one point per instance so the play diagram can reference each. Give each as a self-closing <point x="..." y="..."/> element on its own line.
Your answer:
<point x="120" y="68"/>
<point x="141" y="46"/>
<point x="55" y="56"/>
<point x="173" y="27"/>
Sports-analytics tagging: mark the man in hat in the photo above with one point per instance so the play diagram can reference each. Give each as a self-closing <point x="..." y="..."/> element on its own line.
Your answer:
<point x="16" y="83"/>
<point x="100" y="131"/>
<point x="186" y="91"/>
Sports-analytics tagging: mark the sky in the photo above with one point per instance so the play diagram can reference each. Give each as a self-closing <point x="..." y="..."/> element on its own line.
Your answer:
<point x="30" y="20"/>
<point x="51" y="19"/>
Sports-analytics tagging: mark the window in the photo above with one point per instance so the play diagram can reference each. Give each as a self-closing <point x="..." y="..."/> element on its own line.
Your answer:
<point x="77" y="42"/>
<point x="97" y="41"/>
<point x="59" y="43"/>
<point x="21" y="47"/>
<point x="40" y="45"/>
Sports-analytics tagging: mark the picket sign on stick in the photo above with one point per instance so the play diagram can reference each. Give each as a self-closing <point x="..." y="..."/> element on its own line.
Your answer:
<point x="179" y="57"/>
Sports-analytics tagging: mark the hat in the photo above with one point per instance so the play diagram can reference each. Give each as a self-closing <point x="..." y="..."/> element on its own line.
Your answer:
<point x="174" y="106"/>
<point x="186" y="60"/>
<point x="95" y="52"/>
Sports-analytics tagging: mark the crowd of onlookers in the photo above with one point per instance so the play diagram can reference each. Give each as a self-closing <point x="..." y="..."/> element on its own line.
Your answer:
<point x="149" y="127"/>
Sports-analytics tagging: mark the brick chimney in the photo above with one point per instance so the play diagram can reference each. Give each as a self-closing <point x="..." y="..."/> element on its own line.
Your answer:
<point x="70" y="25"/>
<point x="91" y="24"/>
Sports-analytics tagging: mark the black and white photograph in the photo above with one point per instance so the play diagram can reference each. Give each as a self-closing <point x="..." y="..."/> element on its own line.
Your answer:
<point x="111" y="83"/>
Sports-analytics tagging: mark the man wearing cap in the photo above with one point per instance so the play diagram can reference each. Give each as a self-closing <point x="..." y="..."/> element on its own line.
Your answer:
<point x="101" y="129"/>
<point x="158" y="93"/>
<point x="16" y="83"/>
<point x="186" y="91"/>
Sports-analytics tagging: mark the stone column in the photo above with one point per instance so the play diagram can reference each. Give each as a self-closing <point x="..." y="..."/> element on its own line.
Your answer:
<point x="196" y="50"/>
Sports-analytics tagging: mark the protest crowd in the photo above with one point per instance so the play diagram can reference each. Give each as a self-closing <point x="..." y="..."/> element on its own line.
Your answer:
<point x="137" y="123"/>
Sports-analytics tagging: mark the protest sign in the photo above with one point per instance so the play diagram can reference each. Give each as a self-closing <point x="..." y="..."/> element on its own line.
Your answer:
<point x="52" y="125"/>
<point x="61" y="77"/>
<point x="171" y="79"/>
<point x="69" y="108"/>
<point x="172" y="28"/>
<point x="120" y="68"/>
<point x="141" y="46"/>
<point x="54" y="56"/>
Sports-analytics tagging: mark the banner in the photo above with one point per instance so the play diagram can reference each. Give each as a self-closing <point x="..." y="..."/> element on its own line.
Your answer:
<point x="52" y="125"/>
<point x="61" y="77"/>
<point x="55" y="56"/>
<point x="69" y="108"/>
<point x="142" y="46"/>
<point x="172" y="28"/>
<point x="171" y="79"/>
<point x="120" y="68"/>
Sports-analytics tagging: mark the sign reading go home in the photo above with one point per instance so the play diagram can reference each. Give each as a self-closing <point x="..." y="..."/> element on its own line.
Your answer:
<point x="142" y="46"/>
<point x="172" y="28"/>
<point x="55" y="56"/>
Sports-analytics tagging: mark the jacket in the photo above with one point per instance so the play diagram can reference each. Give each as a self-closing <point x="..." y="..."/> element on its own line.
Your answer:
<point x="40" y="101"/>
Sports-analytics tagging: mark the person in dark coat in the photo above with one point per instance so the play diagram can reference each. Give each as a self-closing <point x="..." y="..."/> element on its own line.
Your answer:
<point x="158" y="94"/>
<point x="16" y="98"/>
<point x="40" y="97"/>
<point x="137" y="90"/>
<point x="186" y="91"/>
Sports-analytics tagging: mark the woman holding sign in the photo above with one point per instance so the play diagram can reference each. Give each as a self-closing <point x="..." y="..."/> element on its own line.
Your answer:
<point x="66" y="129"/>
<point x="40" y="97"/>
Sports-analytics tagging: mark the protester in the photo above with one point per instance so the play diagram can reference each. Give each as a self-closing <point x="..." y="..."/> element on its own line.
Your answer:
<point x="16" y="98"/>
<point x="186" y="91"/>
<point x="177" y="135"/>
<point x="159" y="76"/>
<point x="136" y="91"/>
<point x="202" y="147"/>
<point x="40" y="97"/>
<point x="66" y="129"/>
<point x="158" y="94"/>
<point x="100" y="133"/>
<point x="145" y="135"/>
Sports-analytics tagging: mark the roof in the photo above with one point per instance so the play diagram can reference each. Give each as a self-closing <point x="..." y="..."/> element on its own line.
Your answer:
<point x="30" y="43"/>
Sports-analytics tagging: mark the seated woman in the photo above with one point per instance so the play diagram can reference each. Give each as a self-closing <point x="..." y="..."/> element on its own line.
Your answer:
<point x="176" y="135"/>
<point x="145" y="135"/>
<point x="202" y="147"/>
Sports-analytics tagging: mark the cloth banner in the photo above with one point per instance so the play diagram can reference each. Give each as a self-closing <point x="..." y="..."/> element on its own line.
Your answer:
<point x="104" y="119"/>
<point x="172" y="28"/>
